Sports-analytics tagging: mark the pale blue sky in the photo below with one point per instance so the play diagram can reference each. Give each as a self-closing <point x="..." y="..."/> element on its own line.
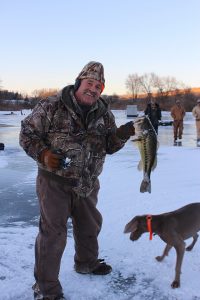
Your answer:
<point x="45" y="43"/>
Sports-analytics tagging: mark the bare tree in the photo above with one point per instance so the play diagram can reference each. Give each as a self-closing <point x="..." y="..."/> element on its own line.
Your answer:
<point x="165" y="86"/>
<point x="133" y="84"/>
<point x="171" y="84"/>
<point x="147" y="83"/>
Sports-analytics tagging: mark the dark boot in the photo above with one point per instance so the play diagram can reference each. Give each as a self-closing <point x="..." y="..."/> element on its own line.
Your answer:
<point x="101" y="268"/>
<point x="38" y="294"/>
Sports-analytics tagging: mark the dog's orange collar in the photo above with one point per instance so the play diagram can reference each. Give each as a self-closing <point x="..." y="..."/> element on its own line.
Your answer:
<point x="149" y="227"/>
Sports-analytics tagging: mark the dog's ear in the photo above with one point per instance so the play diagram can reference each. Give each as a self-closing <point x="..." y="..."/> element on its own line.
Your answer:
<point x="131" y="226"/>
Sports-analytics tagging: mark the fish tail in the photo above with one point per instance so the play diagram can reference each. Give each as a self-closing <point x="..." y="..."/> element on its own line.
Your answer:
<point x="145" y="185"/>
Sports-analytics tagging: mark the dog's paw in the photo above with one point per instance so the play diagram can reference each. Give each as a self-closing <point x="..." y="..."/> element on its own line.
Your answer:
<point x="159" y="258"/>
<point x="189" y="248"/>
<point x="175" y="284"/>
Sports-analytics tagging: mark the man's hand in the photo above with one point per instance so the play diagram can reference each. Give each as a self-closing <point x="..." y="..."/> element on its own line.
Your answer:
<point x="126" y="130"/>
<point x="50" y="159"/>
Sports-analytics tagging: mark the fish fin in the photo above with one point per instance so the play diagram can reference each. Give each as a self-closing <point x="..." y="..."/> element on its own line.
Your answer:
<point x="154" y="164"/>
<point x="145" y="186"/>
<point x="140" y="166"/>
<point x="155" y="160"/>
<point x="138" y="139"/>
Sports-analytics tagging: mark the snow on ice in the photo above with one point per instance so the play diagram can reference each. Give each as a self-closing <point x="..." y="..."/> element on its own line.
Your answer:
<point x="136" y="274"/>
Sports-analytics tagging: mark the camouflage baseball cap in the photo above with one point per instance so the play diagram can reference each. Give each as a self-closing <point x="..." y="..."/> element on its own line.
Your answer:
<point x="93" y="70"/>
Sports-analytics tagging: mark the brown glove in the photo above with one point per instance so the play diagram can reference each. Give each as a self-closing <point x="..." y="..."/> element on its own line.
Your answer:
<point x="50" y="159"/>
<point x="126" y="130"/>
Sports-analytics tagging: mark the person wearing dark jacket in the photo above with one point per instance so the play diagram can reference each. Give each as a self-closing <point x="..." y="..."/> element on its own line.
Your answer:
<point x="153" y="111"/>
<point x="69" y="135"/>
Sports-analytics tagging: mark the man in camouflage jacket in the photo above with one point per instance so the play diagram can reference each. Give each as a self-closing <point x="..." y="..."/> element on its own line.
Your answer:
<point x="69" y="136"/>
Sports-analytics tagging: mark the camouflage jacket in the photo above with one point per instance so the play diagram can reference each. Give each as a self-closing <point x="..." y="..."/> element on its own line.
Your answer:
<point x="57" y="123"/>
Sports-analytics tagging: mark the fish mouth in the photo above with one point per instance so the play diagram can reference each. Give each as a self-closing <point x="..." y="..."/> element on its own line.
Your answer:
<point x="142" y="123"/>
<point x="139" y="120"/>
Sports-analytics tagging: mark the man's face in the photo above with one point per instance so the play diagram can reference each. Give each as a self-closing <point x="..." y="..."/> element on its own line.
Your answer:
<point x="89" y="91"/>
<point x="153" y="102"/>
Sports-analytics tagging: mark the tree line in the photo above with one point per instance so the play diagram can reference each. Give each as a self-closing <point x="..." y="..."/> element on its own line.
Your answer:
<point x="164" y="89"/>
<point x="140" y="88"/>
<point x="7" y="95"/>
<point x="17" y="101"/>
<point x="150" y="83"/>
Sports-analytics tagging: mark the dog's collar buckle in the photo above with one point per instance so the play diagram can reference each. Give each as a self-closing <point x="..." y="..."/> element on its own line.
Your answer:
<point x="149" y="227"/>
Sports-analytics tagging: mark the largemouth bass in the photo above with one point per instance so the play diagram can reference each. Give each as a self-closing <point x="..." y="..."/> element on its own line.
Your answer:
<point x="146" y="138"/>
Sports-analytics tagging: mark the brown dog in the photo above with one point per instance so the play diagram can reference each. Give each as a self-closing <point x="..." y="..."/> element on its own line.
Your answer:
<point x="173" y="228"/>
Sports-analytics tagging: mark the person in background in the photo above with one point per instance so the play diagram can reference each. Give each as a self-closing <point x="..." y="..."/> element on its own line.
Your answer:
<point x="153" y="111"/>
<point x="196" y="114"/>
<point x="69" y="135"/>
<point x="178" y="114"/>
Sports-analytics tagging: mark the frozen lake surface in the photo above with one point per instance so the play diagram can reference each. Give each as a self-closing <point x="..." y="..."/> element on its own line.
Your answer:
<point x="136" y="275"/>
<point x="17" y="185"/>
